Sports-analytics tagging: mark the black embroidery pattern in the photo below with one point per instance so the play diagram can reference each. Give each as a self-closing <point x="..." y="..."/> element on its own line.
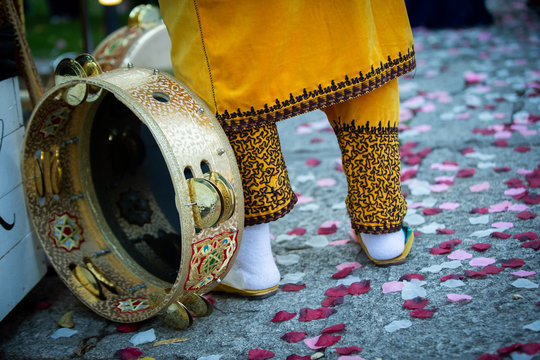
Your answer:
<point x="321" y="97"/>
<point x="371" y="163"/>
<point x="268" y="194"/>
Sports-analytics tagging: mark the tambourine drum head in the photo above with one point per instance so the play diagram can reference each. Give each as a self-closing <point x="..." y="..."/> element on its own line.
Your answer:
<point x="140" y="209"/>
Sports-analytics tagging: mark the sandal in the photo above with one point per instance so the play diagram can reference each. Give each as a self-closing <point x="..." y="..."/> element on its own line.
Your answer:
<point x="250" y="294"/>
<point x="409" y="238"/>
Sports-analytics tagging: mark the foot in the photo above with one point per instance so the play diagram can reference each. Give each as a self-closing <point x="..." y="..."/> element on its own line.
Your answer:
<point x="254" y="267"/>
<point x="384" y="246"/>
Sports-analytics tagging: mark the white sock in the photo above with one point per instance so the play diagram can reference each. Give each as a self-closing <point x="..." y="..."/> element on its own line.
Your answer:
<point x="384" y="246"/>
<point x="254" y="267"/>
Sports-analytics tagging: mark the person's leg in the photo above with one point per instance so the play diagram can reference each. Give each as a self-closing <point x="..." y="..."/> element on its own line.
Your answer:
<point x="267" y="196"/>
<point x="367" y="131"/>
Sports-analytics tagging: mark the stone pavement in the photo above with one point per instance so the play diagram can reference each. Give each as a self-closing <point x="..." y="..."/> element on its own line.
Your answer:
<point x="470" y="148"/>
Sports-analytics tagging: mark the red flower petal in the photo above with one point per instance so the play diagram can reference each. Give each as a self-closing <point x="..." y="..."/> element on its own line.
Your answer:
<point x="512" y="263"/>
<point x="466" y="150"/>
<point x="500" y="235"/>
<point x="508" y="349"/>
<point x="294" y="336"/>
<point x="332" y="301"/>
<point x="313" y="162"/>
<point x="431" y="211"/>
<point x="260" y="354"/>
<point x="465" y="173"/>
<point x="127" y="328"/>
<point x="411" y="276"/>
<point x="530" y="348"/>
<point x="333" y="329"/>
<point x="535" y="245"/>
<point x="526" y="215"/>
<point x="500" y="169"/>
<point x="416" y="303"/>
<point x="439" y="251"/>
<point x="526" y="236"/>
<point x="480" y="247"/>
<point x="42" y="305"/>
<point x="424" y="152"/>
<point x="297" y="231"/>
<point x="413" y="160"/>
<point x="492" y="269"/>
<point x="327" y="340"/>
<point x="129" y="353"/>
<point x="423" y="313"/>
<point x="532" y="199"/>
<point x="348" y="350"/>
<point x="482" y="210"/>
<point x="298" y="357"/>
<point x="327" y="230"/>
<point x="359" y="287"/>
<point x="446" y="231"/>
<point x="522" y="149"/>
<point x="292" y="287"/>
<point x="514" y="183"/>
<point x="283" y="316"/>
<point x="449" y="244"/>
<point x="451" y="276"/>
<point x="307" y="314"/>
<point x="500" y="143"/>
<point x="337" y="291"/>
<point x="343" y="273"/>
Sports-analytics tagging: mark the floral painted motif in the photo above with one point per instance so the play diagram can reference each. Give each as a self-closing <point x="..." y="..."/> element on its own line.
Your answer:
<point x="66" y="232"/>
<point x="210" y="259"/>
<point x="132" y="305"/>
<point x="55" y="121"/>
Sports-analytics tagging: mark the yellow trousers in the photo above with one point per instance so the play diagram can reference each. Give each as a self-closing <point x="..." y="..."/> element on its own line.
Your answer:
<point x="366" y="128"/>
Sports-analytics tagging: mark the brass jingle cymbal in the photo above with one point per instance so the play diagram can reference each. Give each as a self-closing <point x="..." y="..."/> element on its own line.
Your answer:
<point x="144" y="16"/>
<point x="199" y="305"/>
<point x="226" y="193"/>
<point x="91" y="67"/>
<point x="206" y="202"/>
<point x="66" y="70"/>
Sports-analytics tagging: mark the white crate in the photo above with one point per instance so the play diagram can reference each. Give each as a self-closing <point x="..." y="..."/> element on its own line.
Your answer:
<point x="22" y="262"/>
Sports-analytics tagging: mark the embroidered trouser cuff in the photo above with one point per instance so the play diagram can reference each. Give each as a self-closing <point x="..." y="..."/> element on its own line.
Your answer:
<point x="367" y="133"/>
<point x="267" y="191"/>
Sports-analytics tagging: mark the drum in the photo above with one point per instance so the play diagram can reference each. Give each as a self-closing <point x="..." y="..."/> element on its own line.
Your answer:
<point x="134" y="193"/>
<point x="143" y="42"/>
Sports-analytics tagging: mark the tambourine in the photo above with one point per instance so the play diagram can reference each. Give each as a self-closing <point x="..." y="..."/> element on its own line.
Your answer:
<point x="143" y="42"/>
<point x="133" y="190"/>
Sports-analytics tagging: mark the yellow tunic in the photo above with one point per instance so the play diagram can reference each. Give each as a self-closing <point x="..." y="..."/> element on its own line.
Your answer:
<point x="259" y="61"/>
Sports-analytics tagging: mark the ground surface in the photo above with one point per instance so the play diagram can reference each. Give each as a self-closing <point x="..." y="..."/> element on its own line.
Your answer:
<point x="470" y="121"/>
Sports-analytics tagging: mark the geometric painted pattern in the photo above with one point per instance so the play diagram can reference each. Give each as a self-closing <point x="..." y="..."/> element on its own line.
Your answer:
<point x="132" y="305"/>
<point x="66" y="232"/>
<point x="55" y="121"/>
<point x="210" y="259"/>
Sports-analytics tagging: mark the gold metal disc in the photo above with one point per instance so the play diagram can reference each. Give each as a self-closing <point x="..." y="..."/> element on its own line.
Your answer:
<point x="144" y="16"/>
<point x="177" y="316"/>
<point x="207" y="210"/>
<point x="198" y="305"/>
<point x="226" y="193"/>
<point x="86" y="279"/>
<point x="56" y="172"/>
<point x="69" y="69"/>
<point x="91" y="67"/>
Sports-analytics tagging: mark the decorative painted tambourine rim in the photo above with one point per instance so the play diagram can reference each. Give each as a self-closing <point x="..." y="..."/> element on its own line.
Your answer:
<point x="65" y="213"/>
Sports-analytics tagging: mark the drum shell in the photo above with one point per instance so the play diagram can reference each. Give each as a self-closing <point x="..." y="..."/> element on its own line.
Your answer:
<point x="186" y="133"/>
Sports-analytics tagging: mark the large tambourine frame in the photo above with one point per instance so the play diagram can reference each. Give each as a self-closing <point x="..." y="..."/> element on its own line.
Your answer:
<point x="74" y="230"/>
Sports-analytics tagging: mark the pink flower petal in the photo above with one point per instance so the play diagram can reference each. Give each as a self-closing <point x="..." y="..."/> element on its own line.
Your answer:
<point x="449" y="206"/>
<point x="460" y="255"/>
<point x="313" y="162"/>
<point x="480" y="187"/>
<point x="482" y="261"/>
<point x="297" y="231"/>
<point x="328" y="227"/>
<point x="339" y="242"/>
<point x="326" y="182"/>
<point x="514" y="191"/>
<point x="304" y="200"/>
<point x="310" y="342"/>
<point x="502" y="224"/>
<point x="523" y="273"/>
<point x="458" y="297"/>
<point x="354" y="265"/>
<point x="392" y="286"/>
<point x="437" y="188"/>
